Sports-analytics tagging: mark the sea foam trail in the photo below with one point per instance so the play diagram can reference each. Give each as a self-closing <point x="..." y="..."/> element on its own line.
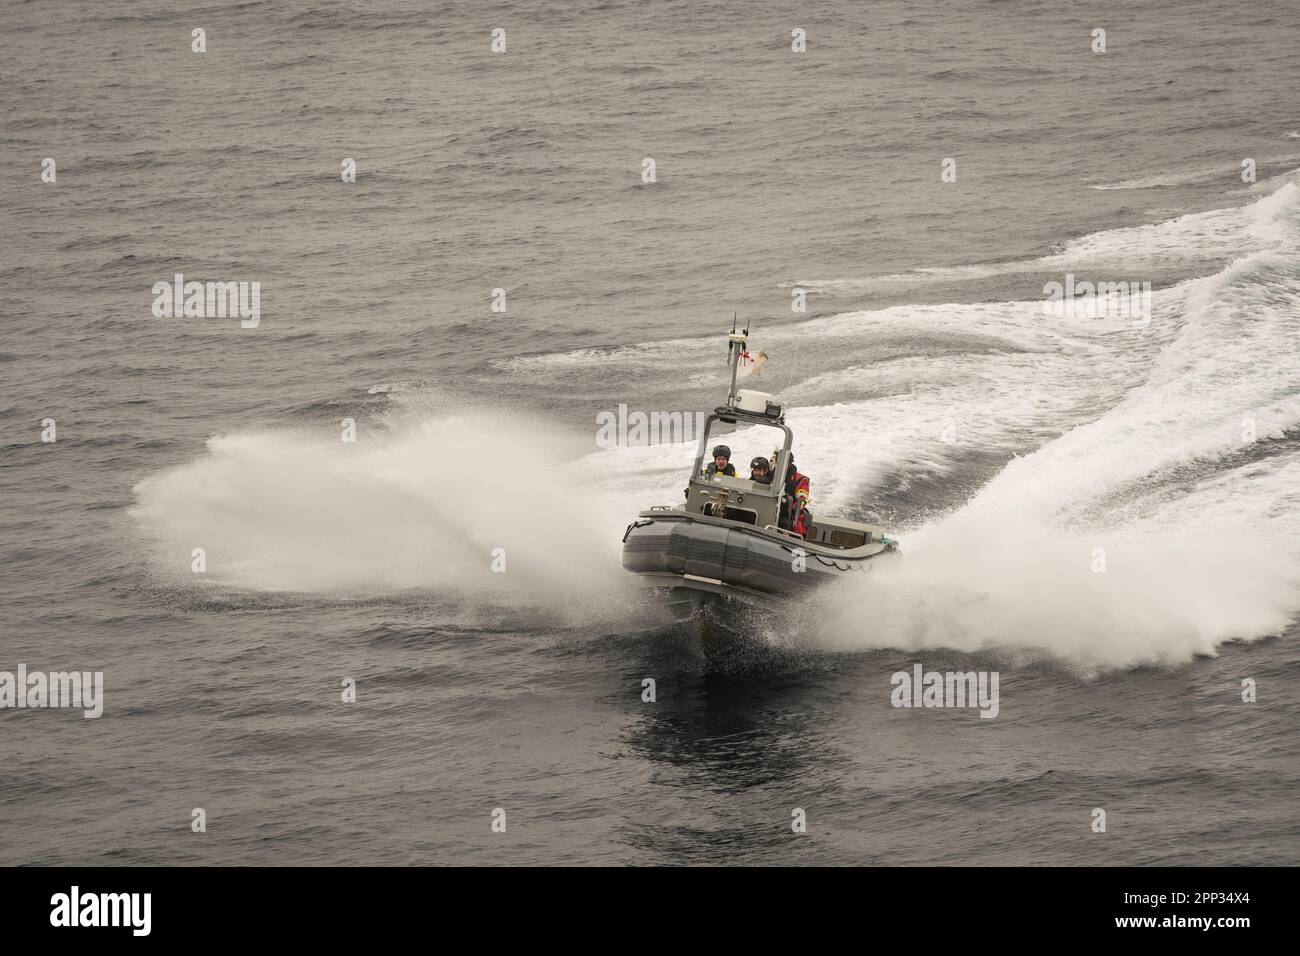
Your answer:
<point x="422" y="506"/>
<point x="1098" y="601"/>
<point x="1200" y="236"/>
<point x="1229" y="377"/>
<point x="1134" y="447"/>
<point x="1166" y="525"/>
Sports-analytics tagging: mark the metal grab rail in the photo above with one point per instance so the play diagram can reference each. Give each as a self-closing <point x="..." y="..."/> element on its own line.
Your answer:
<point x="792" y="534"/>
<point x="636" y="524"/>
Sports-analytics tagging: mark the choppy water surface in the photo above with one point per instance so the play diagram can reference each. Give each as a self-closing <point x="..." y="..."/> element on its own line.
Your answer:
<point x="928" y="392"/>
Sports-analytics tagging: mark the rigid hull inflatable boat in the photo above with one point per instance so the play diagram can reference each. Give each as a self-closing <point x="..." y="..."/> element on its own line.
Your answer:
<point x="732" y="540"/>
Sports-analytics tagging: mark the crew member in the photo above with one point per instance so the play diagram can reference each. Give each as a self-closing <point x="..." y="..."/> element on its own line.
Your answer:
<point x="721" y="464"/>
<point x="797" y="486"/>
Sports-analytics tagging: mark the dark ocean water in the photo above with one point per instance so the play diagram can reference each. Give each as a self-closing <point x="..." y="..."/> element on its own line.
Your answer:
<point x="522" y="171"/>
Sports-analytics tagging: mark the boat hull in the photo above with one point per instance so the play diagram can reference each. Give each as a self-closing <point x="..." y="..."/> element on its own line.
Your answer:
<point x="726" y="558"/>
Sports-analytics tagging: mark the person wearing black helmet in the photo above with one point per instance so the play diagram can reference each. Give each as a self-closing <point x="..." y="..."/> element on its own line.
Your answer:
<point x="721" y="464"/>
<point x="760" y="470"/>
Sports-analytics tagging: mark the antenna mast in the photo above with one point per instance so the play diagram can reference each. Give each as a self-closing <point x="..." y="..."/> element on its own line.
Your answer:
<point x="736" y="345"/>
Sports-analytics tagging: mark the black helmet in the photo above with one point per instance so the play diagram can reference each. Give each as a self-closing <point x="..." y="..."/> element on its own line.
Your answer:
<point x="760" y="462"/>
<point x="722" y="451"/>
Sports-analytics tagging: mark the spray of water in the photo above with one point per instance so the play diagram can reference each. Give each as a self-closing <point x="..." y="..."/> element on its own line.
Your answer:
<point x="435" y="506"/>
<point x="1097" y="600"/>
<point x="1149" y="532"/>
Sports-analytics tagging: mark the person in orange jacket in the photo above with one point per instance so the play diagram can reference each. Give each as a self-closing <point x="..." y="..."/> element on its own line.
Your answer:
<point x="797" y="492"/>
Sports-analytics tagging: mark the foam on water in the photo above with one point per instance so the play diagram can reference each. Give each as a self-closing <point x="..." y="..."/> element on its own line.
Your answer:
<point x="1124" y="439"/>
<point x="420" y="505"/>
<point x="1147" y="535"/>
<point x="977" y="584"/>
<point x="1213" y="234"/>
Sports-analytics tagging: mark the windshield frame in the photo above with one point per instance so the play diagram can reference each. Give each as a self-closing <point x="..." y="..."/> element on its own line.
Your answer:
<point x="703" y="457"/>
